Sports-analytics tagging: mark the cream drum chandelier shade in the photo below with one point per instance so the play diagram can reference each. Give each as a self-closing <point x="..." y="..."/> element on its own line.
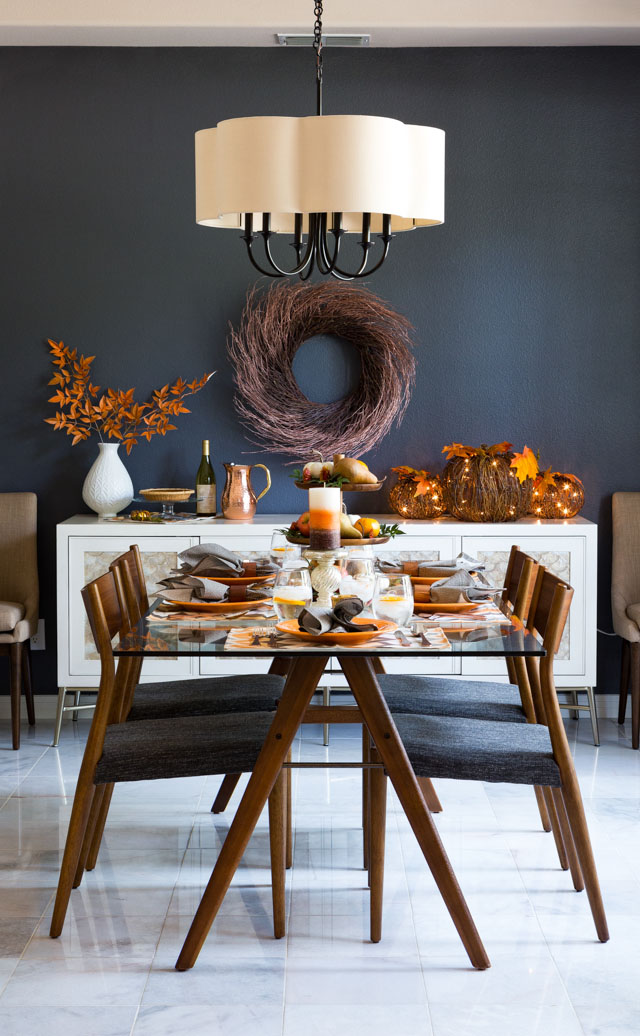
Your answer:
<point x="330" y="163"/>
<point x="317" y="179"/>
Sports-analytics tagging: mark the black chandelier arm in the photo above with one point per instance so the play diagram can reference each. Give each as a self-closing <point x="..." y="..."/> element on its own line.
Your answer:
<point x="366" y="244"/>
<point x="266" y="234"/>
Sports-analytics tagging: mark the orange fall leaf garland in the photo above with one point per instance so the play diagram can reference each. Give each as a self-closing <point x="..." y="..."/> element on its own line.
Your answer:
<point x="115" y="414"/>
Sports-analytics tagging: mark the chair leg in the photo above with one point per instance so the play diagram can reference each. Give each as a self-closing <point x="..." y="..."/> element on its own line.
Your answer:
<point x="542" y="809"/>
<point x="73" y="846"/>
<point x="624" y="681"/>
<point x="15" y="662"/>
<point x="593" y="716"/>
<point x="96" y="840"/>
<point x="430" y="794"/>
<point x="88" y="835"/>
<point x="62" y="695"/>
<point x="277" y="840"/>
<point x="366" y="757"/>
<point x="377" y="828"/>
<point x="555" y="827"/>
<point x="635" y="694"/>
<point x="567" y="837"/>
<point x="580" y="831"/>
<point x="225" y="792"/>
<point x="26" y="682"/>
<point x="289" y="837"/>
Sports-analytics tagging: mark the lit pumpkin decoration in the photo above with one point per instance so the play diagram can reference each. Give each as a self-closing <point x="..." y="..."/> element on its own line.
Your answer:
<point x="488" y="483"/>
<point x="557" y="494"/>
<point x="416" y="494"/>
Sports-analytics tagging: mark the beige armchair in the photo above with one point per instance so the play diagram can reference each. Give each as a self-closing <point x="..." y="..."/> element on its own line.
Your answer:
<point x="18" y="596"/>
<point x="625" y="601"/>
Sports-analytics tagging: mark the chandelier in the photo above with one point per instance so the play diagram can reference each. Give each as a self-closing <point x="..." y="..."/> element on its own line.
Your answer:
<point x="318" y="178"/>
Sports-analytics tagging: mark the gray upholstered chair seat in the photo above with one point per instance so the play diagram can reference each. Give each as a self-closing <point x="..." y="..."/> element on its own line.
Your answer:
<point x="258" y="692"/>
<point x="187" y="747"/>
<point x="478" y="750"/>
<point x="438" y="696"/>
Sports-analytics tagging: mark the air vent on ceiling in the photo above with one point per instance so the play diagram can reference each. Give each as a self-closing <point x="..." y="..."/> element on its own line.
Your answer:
<point x="329" y="39"/>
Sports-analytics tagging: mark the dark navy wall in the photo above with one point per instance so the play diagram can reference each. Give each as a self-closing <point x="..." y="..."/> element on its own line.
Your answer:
<point x="525" y="303"/>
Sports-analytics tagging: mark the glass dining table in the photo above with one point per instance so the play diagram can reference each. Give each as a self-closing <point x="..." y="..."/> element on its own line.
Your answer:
<point x="303" y="663"/>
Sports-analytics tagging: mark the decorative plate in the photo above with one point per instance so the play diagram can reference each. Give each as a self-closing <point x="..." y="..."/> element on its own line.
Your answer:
<point x="365" y="541"/>
<point x="291" y="627"/>
<point x="346" y="487"/>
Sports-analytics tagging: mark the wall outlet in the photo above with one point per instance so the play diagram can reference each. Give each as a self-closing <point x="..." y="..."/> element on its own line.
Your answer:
<point x="37" y="640"/>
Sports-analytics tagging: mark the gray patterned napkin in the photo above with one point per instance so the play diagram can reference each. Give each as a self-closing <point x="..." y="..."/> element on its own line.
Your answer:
<point x="463" y="563"/>
<point x="323" y="620"/>
<point x="461" y="588"/>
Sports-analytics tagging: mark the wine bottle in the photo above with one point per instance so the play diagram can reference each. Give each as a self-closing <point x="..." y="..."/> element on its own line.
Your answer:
<point x="206" y="485"/>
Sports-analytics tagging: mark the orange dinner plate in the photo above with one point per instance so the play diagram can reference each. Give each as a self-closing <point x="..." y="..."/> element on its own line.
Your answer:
<point x="339" y="636"/>
<point x="424" y="580"/>
<point x="219" y="606"/>
<point x="239" y="580"/>
<point x="461" y="606"/>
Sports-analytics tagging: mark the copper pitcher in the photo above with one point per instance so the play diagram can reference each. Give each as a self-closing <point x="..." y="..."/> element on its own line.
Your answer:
<point x="238" y="498"/>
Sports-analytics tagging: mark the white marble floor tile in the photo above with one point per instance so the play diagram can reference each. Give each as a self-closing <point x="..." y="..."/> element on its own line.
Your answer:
<point x="357" y="1020"/>
<point x="245" y="981"/>
<point x="87" y="982"/>
<point x="66" y="1021"/>
<point x="209" y="1020"/>
<point x="608" y="1018"/>
<point x="477" y="1019"/>
<point x="354" y="980"/>
<point x="530" y="979"/>
<point x="121" y="936"/>
<point x="231" y="935"/>
<point x="340" y="935"/>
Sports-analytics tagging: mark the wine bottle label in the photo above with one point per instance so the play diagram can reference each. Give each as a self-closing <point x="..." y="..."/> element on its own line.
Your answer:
<point x="205" y="499"/>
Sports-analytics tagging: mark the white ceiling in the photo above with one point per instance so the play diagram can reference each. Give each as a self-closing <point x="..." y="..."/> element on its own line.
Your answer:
<point x="252" y="23"/>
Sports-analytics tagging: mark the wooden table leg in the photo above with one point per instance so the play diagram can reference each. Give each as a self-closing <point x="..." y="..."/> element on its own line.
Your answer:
<point x="366" y="690"/>
<point x="303" y="678"/>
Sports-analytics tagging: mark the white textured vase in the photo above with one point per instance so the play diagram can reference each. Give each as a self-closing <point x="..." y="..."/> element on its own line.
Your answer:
<point x="107" y="488"/>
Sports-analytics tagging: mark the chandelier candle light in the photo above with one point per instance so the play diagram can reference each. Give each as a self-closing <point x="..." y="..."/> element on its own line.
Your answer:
<point x="318" y="178"/>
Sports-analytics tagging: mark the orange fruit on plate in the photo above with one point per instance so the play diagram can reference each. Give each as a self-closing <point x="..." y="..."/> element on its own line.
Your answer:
<point x="368" y="527"/>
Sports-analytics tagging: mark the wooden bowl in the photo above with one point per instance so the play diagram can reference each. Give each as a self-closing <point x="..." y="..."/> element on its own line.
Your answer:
<point x="169" y="496"/>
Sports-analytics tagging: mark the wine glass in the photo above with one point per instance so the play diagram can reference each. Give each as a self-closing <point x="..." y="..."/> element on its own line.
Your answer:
<point x="358" y="579"/>
<point x="281" y="550"/>
<point x="292" y="590"/>
<point x="393" y="598"/>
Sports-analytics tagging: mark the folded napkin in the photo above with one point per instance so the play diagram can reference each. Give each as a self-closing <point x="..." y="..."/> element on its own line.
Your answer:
<point x="210" y="559"/>
<point x="461" y="587"/>
<point x="190" y="588"/>
<point x="324" y="620"/>
<point x="463" y="563"/>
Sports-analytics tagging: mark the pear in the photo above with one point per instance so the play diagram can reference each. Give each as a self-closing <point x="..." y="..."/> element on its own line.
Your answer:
<point x="356" y="471"/>
<point x="347" y="530"/>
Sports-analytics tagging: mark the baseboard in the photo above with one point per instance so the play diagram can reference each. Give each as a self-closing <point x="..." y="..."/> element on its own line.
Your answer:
<point x="45" y="704"/>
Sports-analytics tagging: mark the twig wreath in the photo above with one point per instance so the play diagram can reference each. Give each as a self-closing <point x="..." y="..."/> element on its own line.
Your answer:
<point x="270" y="402"/>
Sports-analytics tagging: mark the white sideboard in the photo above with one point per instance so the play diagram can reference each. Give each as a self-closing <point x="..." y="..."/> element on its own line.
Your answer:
<point x="86" y="546"/>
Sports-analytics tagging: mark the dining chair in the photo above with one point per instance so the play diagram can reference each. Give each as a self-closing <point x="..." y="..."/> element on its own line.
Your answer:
<point x="625" y="601"/>
<point x="480" y="749"/>
<point x="152" y="749"/>
<point x="18" y="598"/>
<point x="475" y="699"/>
<point x="256" y="692"/>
